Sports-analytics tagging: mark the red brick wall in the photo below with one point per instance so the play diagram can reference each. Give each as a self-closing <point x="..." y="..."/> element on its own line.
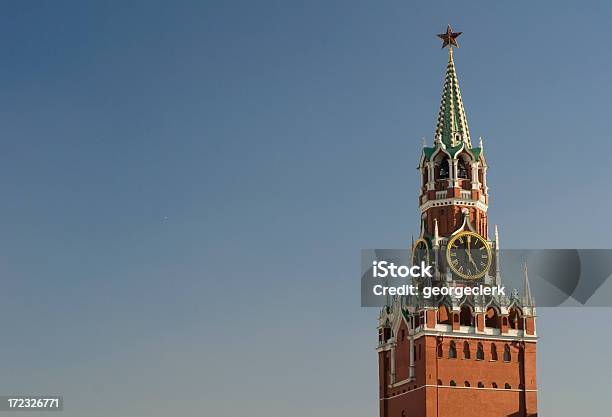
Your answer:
<point x="402" y="354"/>
<point x="423" y="397"/>
<point x="450" y="218"/>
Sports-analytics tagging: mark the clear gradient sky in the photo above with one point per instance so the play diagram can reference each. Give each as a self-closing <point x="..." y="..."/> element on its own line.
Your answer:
<point x="186" y="188"/>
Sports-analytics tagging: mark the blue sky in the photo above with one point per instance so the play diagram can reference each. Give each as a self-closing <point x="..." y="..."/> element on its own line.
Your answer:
<point x="186" y="188"/>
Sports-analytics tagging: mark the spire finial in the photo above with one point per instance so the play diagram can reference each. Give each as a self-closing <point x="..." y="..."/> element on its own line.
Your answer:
<point x="451" y="124"/>
<point x="424" y="141"/>
<point x="480" y="142"/>
<point x="449" y="39"/>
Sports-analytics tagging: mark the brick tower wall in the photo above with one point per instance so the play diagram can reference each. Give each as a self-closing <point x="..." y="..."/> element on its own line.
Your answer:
<point x="426" y="397"/>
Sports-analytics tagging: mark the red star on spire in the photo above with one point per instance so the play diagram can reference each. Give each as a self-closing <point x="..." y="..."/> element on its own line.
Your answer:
<point x="449" y="38"/>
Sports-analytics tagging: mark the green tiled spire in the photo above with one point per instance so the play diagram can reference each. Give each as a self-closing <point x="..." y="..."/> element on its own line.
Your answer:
<point x="452" y="127"/>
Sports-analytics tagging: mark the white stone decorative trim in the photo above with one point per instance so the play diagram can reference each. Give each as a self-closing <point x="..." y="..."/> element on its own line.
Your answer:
<point x="452" y="202"/>
<point x="448" y="386"/>
<point x="447" y="333"/>
<point x="399" y="383"/>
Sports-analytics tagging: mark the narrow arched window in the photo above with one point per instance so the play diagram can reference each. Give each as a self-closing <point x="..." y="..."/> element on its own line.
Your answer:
<point x="493" y="352"/>
<point x="507" y="386"/>
<point x="453" y="383"/>
<point x="507" y="356"/>
<point x="467" y="384"/>
<point x="480" y="385"/>
<point x="439" y="382"/>
<point x="480" y="352"/>
<point x="494" y="385"/>
<point x="440" y="350"/>
<point x="452" y="350"/>
<point x="466" y="350"/>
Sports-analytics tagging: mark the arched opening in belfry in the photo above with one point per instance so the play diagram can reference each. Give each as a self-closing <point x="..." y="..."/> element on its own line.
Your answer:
<point x="466" y="350"/>
<point x="443" y="315"/>
<point x="463" y="169"/>
<point x="467" y="319"/>
<point x="492" y="318"/>
<point x="443" y="169"/>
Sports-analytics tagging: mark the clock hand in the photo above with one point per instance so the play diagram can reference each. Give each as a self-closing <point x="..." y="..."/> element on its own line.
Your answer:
<point x="471" y="259"/>
<point x="469" y="252"/>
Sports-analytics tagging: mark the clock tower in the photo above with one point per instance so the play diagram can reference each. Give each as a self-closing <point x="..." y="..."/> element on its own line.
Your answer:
<point x="453" y="172"/>
<point x="457" y="357"/>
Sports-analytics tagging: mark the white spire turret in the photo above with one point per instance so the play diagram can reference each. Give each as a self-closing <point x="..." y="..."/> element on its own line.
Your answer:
<point x="527" y="298"/>
<point x="436" y="239"/>
<point x="497" y="260"/>
<point x="496" y="238"/>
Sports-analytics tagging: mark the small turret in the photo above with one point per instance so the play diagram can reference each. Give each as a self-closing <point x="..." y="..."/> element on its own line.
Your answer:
<point x="527" y="298"/>
<point x="436" y="239"/>
<point x="497" y="258"/>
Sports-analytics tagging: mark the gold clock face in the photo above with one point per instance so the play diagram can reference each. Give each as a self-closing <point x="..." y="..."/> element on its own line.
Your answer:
<point x="468" y="255"/>
<point x="420" y="252"/>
